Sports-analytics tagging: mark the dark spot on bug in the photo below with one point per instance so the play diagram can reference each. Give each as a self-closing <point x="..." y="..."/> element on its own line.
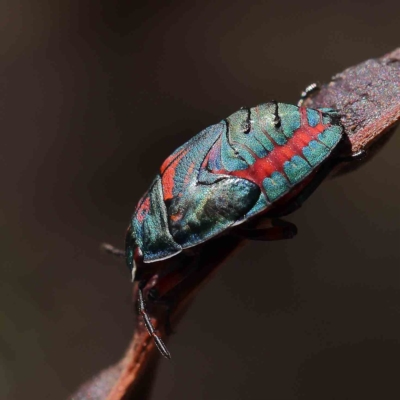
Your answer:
<point x="168" y="203"/>
<point x="246" y="125"/>
<point x="277" y="119"/>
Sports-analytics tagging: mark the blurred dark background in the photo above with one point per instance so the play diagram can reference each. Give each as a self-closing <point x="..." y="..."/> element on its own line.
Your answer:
<point x="93" y="96"/>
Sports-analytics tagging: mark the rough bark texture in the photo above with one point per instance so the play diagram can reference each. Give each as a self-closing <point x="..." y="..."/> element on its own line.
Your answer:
<point x="368" y="98"/>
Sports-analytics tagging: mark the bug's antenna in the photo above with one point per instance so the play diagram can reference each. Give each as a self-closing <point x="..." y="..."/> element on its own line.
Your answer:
<point x="150" y="328"/>
<point x="110" y="249"/>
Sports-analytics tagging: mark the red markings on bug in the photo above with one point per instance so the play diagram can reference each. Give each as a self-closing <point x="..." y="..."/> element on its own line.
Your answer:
<point x="189" y="173"/>
<point x="275" y="160"/>
<point x="143" y="209"/>
<point x="168" y="173"/>
<point x="175" y="217"/>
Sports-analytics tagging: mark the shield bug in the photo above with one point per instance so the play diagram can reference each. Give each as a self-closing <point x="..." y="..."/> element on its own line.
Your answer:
<point x="260" y="162"/>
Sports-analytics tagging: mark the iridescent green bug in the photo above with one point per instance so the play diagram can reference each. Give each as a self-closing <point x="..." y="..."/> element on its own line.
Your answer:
<point x="260" y="162"/>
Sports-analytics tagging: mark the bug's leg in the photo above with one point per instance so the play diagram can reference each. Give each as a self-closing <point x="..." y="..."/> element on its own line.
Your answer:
<point x="173" y="287"/>
<point x="159" y="298"/>
<point x="358" y="156"/>
<point x="176" y="287"/>
<point x="147" y="322"/>
<point x="164" y="284"/>
<point x="174" y="290"/>
<point x="307" y="91"/>
<point x="110" y="249"/>
<point x="279" y="230"/>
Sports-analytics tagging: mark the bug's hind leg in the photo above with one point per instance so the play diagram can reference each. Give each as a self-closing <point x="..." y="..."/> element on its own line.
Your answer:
<point x="147" y="322"/>
<point x="279" y="230"/>
<point x="314" y="87"/>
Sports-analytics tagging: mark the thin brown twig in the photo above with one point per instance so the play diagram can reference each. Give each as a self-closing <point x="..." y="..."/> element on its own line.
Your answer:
<point x="368" y="98"/>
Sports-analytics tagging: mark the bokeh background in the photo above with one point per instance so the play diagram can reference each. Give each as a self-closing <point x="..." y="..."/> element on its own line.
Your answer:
<point x="93" y="96"/>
